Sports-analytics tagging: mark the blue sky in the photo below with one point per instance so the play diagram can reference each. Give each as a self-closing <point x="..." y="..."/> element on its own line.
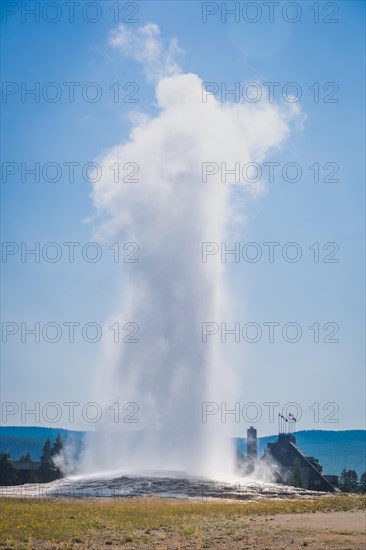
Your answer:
<point x="305" y="212"/>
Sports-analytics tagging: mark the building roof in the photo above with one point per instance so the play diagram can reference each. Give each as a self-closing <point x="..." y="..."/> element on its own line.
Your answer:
<point x="25" y="465"/>
<point x="287" y="442"/>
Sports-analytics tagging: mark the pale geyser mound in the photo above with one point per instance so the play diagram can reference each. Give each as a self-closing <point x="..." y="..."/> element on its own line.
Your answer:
<point x="169" y="212"/>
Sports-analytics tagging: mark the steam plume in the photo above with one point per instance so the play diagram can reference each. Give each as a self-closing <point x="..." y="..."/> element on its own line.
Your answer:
<point x="170" y="292"/>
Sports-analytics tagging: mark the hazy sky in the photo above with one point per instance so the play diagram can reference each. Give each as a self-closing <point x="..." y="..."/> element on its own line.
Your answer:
<point x="320" y="61"/>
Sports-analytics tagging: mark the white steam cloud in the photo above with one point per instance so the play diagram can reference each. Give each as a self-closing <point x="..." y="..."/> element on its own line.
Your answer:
<point x="146" y="47"/>
<point x="170" y="292"/>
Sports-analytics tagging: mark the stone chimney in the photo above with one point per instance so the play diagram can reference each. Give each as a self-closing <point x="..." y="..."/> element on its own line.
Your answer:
<point x="252" y="451"/>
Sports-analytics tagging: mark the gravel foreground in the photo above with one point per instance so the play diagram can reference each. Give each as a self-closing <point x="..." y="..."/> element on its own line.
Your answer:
<point x="336" y="522"/>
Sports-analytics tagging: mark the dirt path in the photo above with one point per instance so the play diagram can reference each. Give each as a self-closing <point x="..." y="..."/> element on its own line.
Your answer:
<point x="338" y="521"/>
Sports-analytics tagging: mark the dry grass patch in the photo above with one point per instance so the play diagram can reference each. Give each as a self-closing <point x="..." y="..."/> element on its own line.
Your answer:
<point x="152" y="522"/>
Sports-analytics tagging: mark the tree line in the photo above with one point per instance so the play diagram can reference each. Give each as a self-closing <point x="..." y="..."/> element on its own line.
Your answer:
<point x="47" y="470"/>
<point x="349" y="483"/>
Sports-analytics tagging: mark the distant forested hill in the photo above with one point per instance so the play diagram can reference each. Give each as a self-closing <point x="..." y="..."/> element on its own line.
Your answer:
<point x="334" y="449"/>
<point x="21" y="440"/>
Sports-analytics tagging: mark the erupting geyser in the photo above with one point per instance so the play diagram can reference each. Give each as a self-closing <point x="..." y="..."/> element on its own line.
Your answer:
<point x="169" y="213"/>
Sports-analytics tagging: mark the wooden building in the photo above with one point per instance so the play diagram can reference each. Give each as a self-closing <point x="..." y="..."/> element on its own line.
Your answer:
<point x="296" y="468"/>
